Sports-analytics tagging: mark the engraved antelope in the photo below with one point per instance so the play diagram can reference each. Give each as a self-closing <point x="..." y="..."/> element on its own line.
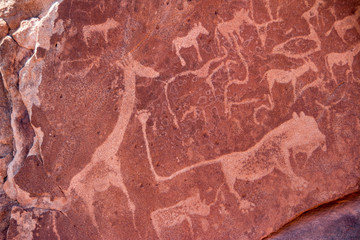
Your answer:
<point x="341" y="59"/>
<point x="283" y="76"/>
<point x="301" y="134"/>
<point x="188" y="41"/>
<point x="345" y="24"/>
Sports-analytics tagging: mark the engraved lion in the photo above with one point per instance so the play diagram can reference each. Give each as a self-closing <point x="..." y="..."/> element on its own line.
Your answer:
<point x="301" y="134"/>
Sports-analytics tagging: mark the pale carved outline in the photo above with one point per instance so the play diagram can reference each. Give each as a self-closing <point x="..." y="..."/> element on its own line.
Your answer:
<point x="105" y="156"/>
<point x="301" y="133"/>
<point x="189" y="41"/>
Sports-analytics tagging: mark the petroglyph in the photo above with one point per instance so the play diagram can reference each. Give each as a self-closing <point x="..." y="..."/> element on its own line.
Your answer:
<point x="203" y="72"/>
<point x="313" y="11"/>
<point x="263" y="106"/>
<point x="312" y="36"/>
<point x="262" y="28"/>
<point x="283" y="76"/>
<point x="228" y="104"/>
<point x="326" y="108"/>
<point x="104" y="168"/>
<point x="345" y="24"/>
<point x="230" y="30"/>
<point x="301" y="133"/>
<point x="318" y="83"/>
<point x="341" y="59"/>
<point x="102" y="28"/>
<point x="195" y="111"/>
<point x="189" y="41"/>
<point x="174" y="215"/>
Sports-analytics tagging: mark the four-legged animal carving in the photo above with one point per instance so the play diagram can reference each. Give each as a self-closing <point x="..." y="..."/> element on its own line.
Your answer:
<point x="176" y="214"/>
<point x="188" y="41"/>
<point x="283" y="76"/>
<point x="313" y="11"/>
<point x="345" y="24"/>
<point x="301" y="133"/>
<point x="104" y="169"/>
<point x="341" y="59"/>
<point x="231" y="29"/>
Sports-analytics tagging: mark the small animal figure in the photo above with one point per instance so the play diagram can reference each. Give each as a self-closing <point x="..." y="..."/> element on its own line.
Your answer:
<point x="181" y="211"/>
<point x="345" y="24"/>
<point x="188" y="41"/>
<point x="283" y="76"/>
<point x="341" y="59"/>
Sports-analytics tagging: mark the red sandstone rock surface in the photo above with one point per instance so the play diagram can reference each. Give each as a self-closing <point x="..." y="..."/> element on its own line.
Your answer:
<point x="176" y="119"/>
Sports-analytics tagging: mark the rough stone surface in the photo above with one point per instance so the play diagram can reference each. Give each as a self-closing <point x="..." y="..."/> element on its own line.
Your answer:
<point x="4" y="28"/>
<point x="26" y="34"/>
<point x="177" y="119"/>
<point x="14" y="11"/>
<point x="338" y="220"/>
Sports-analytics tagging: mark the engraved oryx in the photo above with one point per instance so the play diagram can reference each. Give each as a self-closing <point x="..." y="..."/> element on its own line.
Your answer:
<point x="188" y="41"/>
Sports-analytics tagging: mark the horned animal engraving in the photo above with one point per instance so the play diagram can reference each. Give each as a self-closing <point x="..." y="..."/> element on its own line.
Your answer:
<point x="283" y="76"/>
<point x="188" y="41"/>
<point x="301" y="133"/>
<point x="345" y="24"/>
<point x="104" y="168"/>
<point x="176" y="214"/>
<point x="341" y="59"/>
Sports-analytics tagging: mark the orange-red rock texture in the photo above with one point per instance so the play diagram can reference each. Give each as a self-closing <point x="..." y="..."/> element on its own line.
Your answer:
<point x="185" y="119"/>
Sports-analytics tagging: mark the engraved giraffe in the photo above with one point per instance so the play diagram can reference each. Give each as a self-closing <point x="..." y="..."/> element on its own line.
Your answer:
<point x="104" y="168"/>
<point x="300" y="133"/>
<point x="188" y="41"/>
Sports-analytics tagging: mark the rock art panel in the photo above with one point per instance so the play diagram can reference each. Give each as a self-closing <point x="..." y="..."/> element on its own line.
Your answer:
<point x="176" y="119"/>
